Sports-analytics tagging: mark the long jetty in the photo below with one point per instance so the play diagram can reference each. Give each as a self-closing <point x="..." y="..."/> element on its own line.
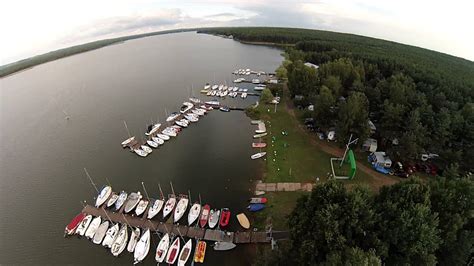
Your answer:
<point x="195" y="232"/>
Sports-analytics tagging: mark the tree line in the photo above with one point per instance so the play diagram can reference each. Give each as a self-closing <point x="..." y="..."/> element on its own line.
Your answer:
<point x="421" y="101"/>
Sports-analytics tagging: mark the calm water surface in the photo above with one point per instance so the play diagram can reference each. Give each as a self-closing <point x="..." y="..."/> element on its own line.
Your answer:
<point x="43" y="154"/>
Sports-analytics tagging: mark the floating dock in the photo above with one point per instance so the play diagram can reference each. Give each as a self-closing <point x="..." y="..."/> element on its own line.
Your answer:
<point x="186" y="231"/>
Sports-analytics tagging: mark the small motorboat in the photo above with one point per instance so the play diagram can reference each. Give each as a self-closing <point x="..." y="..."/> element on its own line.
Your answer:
<point x="259" y="145"/>
<point x="93" y="226"/>
<point x="259" y="192"/>
<point x="173" y="251"/>
<point x="198" y="112"/>
<point x="185" y="252"/>
<point x="212" y="103"/>
<point x="258" y="200"/>
<point x="195" y="100"/>
<point x="71" y="227"/>
<point x="163" y="136"/>
<point x="200" y="252"/>
<point x="152" y="144"/>
<point x="152" y="129"/>
<point x="81" y="229"/>
<point x="112" y="200"/>
<point x="225" y="217"/>
<point x="204" y="215"/>
<point x="142" y="247"/>
<point x="134" y="237"/>
<point x="243" y="220"/>
<point x="172" y="116"/>
<point x="214" y="218"/>
<point x="155" y="208"/>
<point x="132" y="201"/>
<point x="180" y="208"/>
<point x="181" y="123"/>
<point x="110" y="236"/>
<point x="214" y="87"/>
<point x="141" y="152"/>
<point x="191" y="118"/>
<point x="100" y="233"/>
<point x="258" y="155"/>
<point x="194" y="213"/>
<point x="169" y="206"/>
<point x="103" y="196"/>
<point x="224" y="109"/>
<point x="207" y="108"/>
<point x="128" y="141"/>
<point x="162" y="248"/>
<point x="261" y="135"/>
<point x="186" y="107"/>
<point x="120" y="241"/>
<point x="256" y="207"/>
<point x="206" y="87"/>
<point x="146" y="148"/>
<point x="158" y="140"/>
<point x="141" y="207"/>
<point x="121" y="200"/>
<point x="221" y="246"/>
<point x="170" y="132"/>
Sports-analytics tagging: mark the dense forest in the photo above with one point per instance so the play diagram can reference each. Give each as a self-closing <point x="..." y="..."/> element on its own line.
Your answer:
<point x="421" y="101"/>
<point x="409" y="223"/>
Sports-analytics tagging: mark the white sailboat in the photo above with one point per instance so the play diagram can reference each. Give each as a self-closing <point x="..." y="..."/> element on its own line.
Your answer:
<point x="94" y="225"/>
<point x="103" y="196"/>
<point x="134" y="237"/>
<point x="112" y="200"/>
<point x="120" y="241"/>
<point x="155" y="208"/>
<point x="141" y="207"/>
<point x="142" y="248"/>
<point x="158" y="140"/>
<point x="180" y="208"/>
<point x="146" y="148"/>
<point x="194" y="213"/>
<point x="169" y="206"/>
<point x="110" y="236"/>
<point x="185" y="252"/>
<point x="163" y="136"/>
<point x="152" y="144"/>
<point x="100" y="233"/>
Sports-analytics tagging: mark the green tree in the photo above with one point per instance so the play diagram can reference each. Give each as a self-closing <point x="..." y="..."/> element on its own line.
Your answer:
<point x="331" y="220"/>
<point x="453" y="200"/>
<point x="353" y="256"/>
<point x="301" y="79"/>
<point x="353" y="117"/>
<point x="413" y="139"/>
<point x="266" y="96"/>
<point x="407" y="226"/>
<point x="322" y="107"/>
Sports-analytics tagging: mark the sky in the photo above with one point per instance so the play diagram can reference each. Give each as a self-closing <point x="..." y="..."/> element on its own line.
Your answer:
<point x="31" y="27"/>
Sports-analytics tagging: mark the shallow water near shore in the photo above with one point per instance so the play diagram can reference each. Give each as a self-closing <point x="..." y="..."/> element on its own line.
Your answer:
<point x="43" y="154"/>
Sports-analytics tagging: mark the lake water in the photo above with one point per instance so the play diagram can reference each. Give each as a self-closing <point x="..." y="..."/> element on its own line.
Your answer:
<point x="43" y="154"/>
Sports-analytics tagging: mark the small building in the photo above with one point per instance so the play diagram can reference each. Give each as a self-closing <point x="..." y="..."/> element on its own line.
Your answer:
<point x="379" y="158"/>
<point x="308" y="64"/>
<point x="299" y="97"/>
<point x="370" y="145"/>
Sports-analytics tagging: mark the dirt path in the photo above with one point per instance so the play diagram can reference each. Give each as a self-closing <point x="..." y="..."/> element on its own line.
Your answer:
<point x="377" y="180"/>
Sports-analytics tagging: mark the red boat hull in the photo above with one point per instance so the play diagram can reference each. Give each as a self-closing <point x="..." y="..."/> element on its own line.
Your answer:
<point x="225" y="217"/>
<point x="71" y="227"/>
<point x="204" y="215"/>
<point x="259" y="145"/>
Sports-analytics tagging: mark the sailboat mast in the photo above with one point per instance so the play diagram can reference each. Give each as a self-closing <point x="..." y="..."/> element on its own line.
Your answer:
<point x="90" y="178"/>
<point x="126" y="127"/>
<point x="161" y="191"/>
<point x="143" y="185"/>
<point x="172" y="190"/>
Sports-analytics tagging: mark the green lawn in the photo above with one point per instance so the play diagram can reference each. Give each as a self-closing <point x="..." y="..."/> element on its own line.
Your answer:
<point x="278" y="207"/>
<point x="290" y="157"/>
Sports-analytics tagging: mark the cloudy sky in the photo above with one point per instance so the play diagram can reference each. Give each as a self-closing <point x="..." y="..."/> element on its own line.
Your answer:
<point x="30" y="27"/>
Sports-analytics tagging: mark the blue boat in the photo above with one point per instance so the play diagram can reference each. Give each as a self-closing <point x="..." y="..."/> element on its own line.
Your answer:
<point x="256" y="207"/>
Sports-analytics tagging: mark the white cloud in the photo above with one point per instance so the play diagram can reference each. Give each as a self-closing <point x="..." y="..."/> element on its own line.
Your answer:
<point x="31" y="27"/>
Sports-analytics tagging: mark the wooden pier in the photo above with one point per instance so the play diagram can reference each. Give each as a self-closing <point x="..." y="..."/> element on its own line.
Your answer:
<point x="182" y="230"/>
